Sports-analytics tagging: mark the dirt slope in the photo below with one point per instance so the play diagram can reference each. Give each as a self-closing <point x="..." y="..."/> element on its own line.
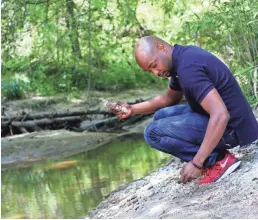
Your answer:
<point x="159" y="195"/>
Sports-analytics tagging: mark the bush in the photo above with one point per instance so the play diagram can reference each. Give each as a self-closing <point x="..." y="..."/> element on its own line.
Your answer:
<point x="12" y="90"/>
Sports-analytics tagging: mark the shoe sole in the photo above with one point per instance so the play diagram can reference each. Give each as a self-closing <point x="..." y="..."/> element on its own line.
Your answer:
<point x="231" y="169"/>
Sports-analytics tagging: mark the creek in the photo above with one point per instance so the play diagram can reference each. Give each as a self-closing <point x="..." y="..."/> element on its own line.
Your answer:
<point x="69" y="188"/>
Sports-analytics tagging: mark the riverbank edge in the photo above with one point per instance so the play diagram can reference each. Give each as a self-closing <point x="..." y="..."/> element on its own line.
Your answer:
<point x="160" y="195"/>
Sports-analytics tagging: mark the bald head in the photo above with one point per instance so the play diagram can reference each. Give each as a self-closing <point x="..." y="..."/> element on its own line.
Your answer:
<point x="151" y="49"/>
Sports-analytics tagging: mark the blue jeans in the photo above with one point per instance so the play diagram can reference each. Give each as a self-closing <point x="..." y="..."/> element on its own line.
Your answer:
<point x="179" y="131"/>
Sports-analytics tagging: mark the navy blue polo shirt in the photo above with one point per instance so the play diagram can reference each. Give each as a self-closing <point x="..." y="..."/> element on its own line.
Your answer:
<point x="196" y="72"/>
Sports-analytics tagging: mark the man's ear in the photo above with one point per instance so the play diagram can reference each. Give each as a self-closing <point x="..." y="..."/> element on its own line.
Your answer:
<point x="161" y="47"/>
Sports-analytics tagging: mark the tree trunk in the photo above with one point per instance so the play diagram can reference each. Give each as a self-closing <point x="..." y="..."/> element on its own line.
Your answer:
<point x="255" y="82"/>
<point x="89" y="49"/>
<point x="73" y="25"/>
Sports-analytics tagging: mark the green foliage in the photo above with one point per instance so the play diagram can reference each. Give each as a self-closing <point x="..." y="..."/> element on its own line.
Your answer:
<point x="12" y="90"/>
<point x="122" y="76"/>
<point x="230" y="30"/>
<point x="65" y="46"/>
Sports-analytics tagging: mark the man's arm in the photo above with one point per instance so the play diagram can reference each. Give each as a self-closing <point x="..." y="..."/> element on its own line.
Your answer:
<point x="219" y="117"/>
<point x="172" y="97"/>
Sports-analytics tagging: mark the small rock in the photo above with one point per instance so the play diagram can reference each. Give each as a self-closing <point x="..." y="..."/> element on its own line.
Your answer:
<point x="131" y="197"/>
<point x="150" y="187"/>
<point x="135" y="200"/>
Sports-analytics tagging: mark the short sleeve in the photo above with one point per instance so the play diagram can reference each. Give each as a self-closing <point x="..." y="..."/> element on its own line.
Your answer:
<point x="174" y="84"/>
<point x="195" y="82"/>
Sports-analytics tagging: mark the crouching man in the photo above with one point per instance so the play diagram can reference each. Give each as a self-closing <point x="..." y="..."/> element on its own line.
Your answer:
<point x="216" y="118"/>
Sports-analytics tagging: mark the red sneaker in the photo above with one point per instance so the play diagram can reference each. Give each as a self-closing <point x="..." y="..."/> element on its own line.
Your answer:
<point x="220" y="169"/>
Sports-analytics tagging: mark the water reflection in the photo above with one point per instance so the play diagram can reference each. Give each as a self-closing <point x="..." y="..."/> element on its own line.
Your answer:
<point x="69" y="188"/>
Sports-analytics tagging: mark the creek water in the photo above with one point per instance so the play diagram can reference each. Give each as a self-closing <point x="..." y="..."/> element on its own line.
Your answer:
<point x="70" y="187"/>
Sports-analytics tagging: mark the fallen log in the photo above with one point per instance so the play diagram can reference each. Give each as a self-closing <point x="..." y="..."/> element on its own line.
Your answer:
<point x="27" y="117"/>
<point x="94" y="124"/>
<point x="40" y="122"/>
<point x="132" y="119"/>
<point x="24" y="123"/>
<point x="23" y="130"/>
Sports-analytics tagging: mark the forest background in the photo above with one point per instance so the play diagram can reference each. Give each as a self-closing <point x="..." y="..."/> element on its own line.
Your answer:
<point x="52" y="47"/>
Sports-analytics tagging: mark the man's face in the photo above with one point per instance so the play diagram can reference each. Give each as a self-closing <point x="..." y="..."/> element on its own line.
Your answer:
<point x="157" y="63"/>
<point x="159" y="66"/>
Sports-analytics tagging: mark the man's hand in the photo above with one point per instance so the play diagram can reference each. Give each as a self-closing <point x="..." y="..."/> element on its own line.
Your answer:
<point x="189" y="172"/>
<point x="122" y="110"/>
<point x="124" y="114"/>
